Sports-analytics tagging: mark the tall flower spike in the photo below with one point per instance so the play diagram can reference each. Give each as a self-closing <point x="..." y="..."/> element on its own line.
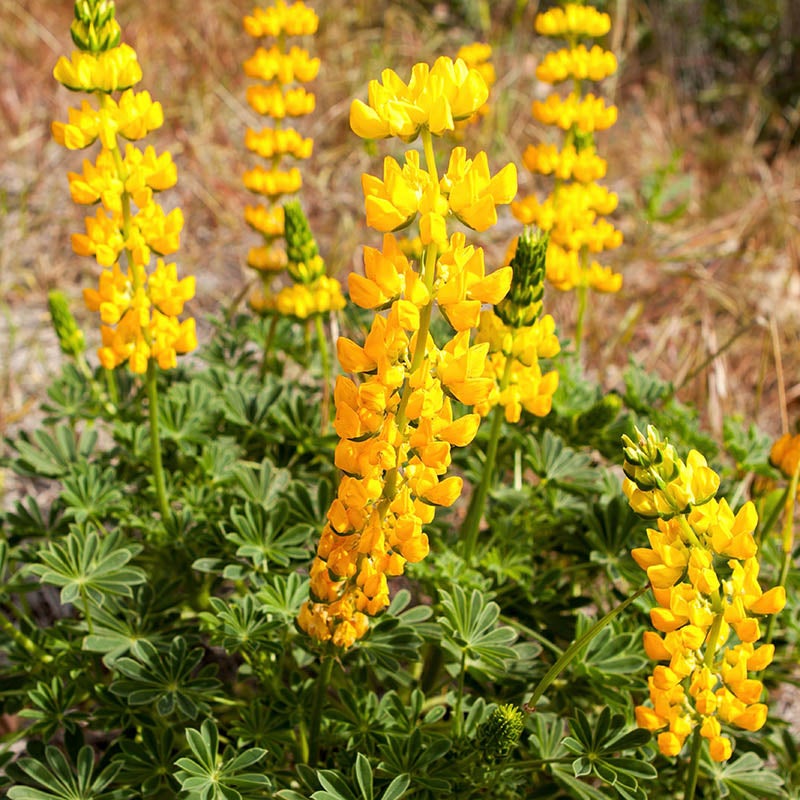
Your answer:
<point x="396" y="421"/>
<point x="279" y="96"/>
<point x="574" y="212"/>
<point x="139" y="303"/>
<point x="703" y="567"/>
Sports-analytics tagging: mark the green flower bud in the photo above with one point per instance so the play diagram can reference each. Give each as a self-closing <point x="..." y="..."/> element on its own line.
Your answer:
<point x="70" y="336"/>
<point x="600" y="415"/>
<point x="523" y="303"/>
<point x="94" y="28"/>
<point x="500" y="734"/>
<point x="304" y="262"/>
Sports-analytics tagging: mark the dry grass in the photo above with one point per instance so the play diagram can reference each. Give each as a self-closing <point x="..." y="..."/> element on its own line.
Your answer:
<point x="722" y="279"/>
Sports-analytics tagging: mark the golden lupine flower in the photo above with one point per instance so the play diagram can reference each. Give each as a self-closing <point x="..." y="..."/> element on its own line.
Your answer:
<point x="280" y="96"/>
<point x="111" y="71"/>
<point x="138" y="308"/>
<point x="785" y="454"/>
<point x="396" y="421"/>
<point x="703" y="568"/>
<point x="573" y="212"/>
<point x="573" y="20"/>
<point x="434" y="98"/>
<point x="295" y="19"/>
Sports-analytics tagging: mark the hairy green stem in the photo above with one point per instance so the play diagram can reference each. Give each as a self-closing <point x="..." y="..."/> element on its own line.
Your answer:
<point x="569" y="654"/>
<point x="694" y="765"/>
<point x="320" y="693"/>
<point x="155" y="440"/>
<point x="326" y="371"/>
<point x="469" y="530"/>
<point x="787" y="545"/>
<point x="273" y="326"/>
<point x="458" y="719"/>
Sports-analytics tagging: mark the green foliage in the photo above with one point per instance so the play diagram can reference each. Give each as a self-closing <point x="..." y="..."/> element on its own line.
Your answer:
<point x="155" y="652"/>
<point x="209" y="776"/>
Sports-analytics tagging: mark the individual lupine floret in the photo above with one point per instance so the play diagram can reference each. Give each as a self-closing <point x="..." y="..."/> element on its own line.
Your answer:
<point x="703" y="568"/>
<point x="573" y="214"/>
<point x="785" y="454"/>
<point x="518" y="336"/>
<point x="278" y="96"/>
<point x="139" y="309"/>
<point x="396" y="423"/>
<point x="477" y="56"/>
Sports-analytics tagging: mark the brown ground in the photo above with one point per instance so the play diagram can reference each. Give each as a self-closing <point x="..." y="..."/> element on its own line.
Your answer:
<point x="726" y="270"/>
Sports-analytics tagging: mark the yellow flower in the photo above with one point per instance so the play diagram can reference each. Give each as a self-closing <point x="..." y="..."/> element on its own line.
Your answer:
<point x="296" y="19"/>
<point x="109" y="71"/>
<point x="434" y="98"/>
<point x="573" y="20"/>
<point x="472" y="193"/>
<point x="577" y="63"/>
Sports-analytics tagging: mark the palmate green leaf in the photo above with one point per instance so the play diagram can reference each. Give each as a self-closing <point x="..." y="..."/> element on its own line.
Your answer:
<point x="83" y="562"/>
<point x="54" y="706"/>
<point x="282" y="595"/>
<point x="597" y="742"/>
<point x="397" y="636"/>
<point x="421" y="757"/>
<point x="51" y="454"/>
<point x="90" y="494"/>
<point x="211" y="776"/>
<point x="166" y="679"/>
<point x="469" y="629"/>
<point x="147" y="761"/>
<point x="560" y="466"/>
<point x="242" y="625"/>
<point x="187" y="413"/>
<point x="612" y="657"/>
<point x="262" y="537"/>
<point x="262" y="484"/>
<point x="250" y="410"/>
<point x="744" y="778"/>
<point x="27" y="520"/>
<point x="60" y="782"/>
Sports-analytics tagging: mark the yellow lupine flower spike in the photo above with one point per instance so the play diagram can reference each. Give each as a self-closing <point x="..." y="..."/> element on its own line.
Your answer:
<point x="395" y="421"/>
<point x="703" y="568"/>
<point x="139" y="308"/>
<point x="573" y="213"/>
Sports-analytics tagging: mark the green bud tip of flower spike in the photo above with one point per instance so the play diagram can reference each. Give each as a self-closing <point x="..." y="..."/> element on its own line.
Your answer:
<point x="94" y="28"/>
<point x="70" y="336"/>
<point x="304" y="262"/>
<point x="523" y="303"/>
<point x="500" y="734"/>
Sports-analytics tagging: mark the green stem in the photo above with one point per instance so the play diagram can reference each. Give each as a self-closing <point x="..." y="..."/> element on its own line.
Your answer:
<point x="708" y="660"/>
<point x="86" y="612"/>
<point x="787" y="545"/>
<point x="583" y="291"/>
<point x="25" y="642"/>
<point x="155" y="440"/>
<point x="320" y="693"/>
<point x="694" y="765"/>
<point x="569" y="654"/>
<point x="273" y="326"/>
<point x="111" y="385"/>
<point x="326" y="372"/>
<point x="469" y="530"/>
<point x="457" y="714"/>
